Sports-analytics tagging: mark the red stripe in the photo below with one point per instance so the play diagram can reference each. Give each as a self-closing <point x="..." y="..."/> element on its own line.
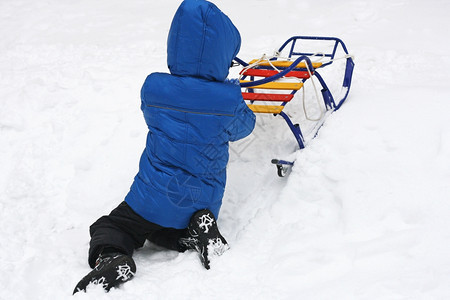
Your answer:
<point x="267" y="97"/>
<point x="268" y="73"/>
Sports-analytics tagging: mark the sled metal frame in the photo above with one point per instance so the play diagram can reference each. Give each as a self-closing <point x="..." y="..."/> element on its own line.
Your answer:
<point x="295" y="69"/>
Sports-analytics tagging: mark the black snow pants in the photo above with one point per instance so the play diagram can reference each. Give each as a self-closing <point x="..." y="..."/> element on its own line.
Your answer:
<point x="125" y="230"/>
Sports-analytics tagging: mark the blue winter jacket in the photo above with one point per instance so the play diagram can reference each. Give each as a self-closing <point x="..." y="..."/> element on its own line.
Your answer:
<point x="192" y="113"/>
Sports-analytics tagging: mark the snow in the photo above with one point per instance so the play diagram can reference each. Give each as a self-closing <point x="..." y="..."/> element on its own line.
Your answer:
<point x="363" y="215"/>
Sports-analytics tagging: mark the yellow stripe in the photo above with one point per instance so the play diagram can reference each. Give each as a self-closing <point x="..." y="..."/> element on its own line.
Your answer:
<point x="284" y="63"/>
<point x="277" y="85"/>
<point x="268" y="109"/>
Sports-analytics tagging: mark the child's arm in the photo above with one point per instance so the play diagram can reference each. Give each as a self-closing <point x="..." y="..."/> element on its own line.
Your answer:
<point x="243" y="122"/>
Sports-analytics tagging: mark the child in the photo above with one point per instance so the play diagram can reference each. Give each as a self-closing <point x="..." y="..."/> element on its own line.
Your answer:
<point x="192" y="113"/>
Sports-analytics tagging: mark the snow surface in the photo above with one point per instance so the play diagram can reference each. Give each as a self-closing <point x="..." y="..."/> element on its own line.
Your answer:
<point x="363" y="215"/>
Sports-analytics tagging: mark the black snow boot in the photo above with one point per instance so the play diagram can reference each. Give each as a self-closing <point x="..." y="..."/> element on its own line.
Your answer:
<point x="110" y="270"/>
<point x="204" y="236"/>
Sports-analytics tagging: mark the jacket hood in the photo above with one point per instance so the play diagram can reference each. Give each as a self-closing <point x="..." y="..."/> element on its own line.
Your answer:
<point x="202" y="41"/>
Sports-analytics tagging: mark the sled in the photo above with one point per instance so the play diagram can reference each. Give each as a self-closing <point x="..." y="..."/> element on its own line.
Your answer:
<point x="269" y="84"/>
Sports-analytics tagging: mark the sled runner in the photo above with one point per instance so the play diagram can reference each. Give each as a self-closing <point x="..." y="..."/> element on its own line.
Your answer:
<point x="271" y="82"/>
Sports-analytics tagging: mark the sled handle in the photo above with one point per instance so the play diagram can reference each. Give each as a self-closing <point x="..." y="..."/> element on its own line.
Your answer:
<point x="277" y="76"/>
